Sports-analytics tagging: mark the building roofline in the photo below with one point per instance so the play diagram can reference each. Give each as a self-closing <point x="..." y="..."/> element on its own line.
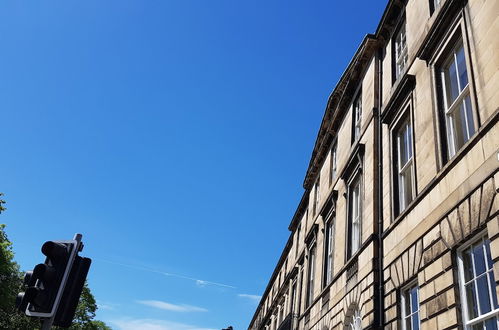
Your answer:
<point x="387" y="24"/>
<point x="302" y="206"/>
<point x="358" y="61"/>
<point x="277" y="268"/>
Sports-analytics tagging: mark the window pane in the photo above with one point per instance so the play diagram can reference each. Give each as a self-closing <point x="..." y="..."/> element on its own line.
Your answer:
<point x="464" y="128"/>
<point x="407" y="301"/>
<point x="461" y="66"/>
<point x="354" y="217"/>
<point x="451" y="84"/>
<point x="467" y="265"/>
<point x="483" y="294"/>
<point x="414" y="299"/>
<point x="400" y="51"/>
<point x="355" y="236"/>
<point x="478" y="326"/>
<point x="409" y="140"/>
<point x="404" y="148"/>
<point x="469" y="116"/>
<point x="406" y="185"/>
<point x="491" y="324"/>
<point x="492" y="288"/>
<point x="459" y="127"/>
<point x="471" y="301"/>
<point x="415" y="321"/>
<point x="408" y="323"/>
<point x="357" y="201"/>
<point x="479" y="259"/>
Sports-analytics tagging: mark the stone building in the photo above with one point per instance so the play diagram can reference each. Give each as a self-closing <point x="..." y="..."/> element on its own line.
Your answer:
<point x="398" y="226"/>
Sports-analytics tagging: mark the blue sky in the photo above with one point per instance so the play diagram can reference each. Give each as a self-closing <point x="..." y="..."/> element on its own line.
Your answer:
<point x="174" y="135"/>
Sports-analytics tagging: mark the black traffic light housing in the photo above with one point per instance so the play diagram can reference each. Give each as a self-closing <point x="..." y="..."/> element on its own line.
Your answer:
<point x="54" y="287"/>
<point x="72" y="292"/>
<point x="45" y="281"/>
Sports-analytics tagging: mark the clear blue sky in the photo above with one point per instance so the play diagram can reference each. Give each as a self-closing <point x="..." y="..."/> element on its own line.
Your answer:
<point x="174" y="135"/>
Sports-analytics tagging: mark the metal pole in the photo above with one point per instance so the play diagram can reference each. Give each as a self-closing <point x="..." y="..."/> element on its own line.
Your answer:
<point x="47" y="323"/>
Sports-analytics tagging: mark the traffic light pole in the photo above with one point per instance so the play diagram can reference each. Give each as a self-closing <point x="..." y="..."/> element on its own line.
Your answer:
<point x="47" y="323"/>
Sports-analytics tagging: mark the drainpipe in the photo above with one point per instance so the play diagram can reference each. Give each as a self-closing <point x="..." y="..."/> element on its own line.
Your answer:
<point x="379" y="200"/>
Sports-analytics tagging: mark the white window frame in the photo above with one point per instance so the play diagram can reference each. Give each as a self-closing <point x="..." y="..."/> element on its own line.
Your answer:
<point x="357" y="116"/>
<point x="329" y="250"/>
<point x="455" y="37"/>
<point x="409" y="167"/>
<point x="354" y="214"/>
<point x="312" y="256"/>
<point x="451" y="109"/>
<point x="403" y="297"/>
<point x="400" y="53"/>
<point x="333" y="163"/>
<point x="294" y="297"/>
<point x="462" y="282"/>
<point x="317" y="194"/>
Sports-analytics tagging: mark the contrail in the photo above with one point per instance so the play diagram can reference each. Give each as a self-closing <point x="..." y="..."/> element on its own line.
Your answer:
<point x="151" y="270"/>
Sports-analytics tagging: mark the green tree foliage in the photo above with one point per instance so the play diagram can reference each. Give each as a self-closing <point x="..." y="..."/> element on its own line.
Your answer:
<point x="11" y="280"/>
<point x="10" y="285"/>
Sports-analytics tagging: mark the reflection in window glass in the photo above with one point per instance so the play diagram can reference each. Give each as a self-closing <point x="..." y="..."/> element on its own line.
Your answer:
<point x="400" y="51"/>
<point x="355" y="217"/>
<point x="405" y="167"/>
<point x="478" y="286"/>
<point x="357" y="117"/>
<point x="410" y="308"/>
<point x="460" y="124"/>
<point x="329" y="252"/>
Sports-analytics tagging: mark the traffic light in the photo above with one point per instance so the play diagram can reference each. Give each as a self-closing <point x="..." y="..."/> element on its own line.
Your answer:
<point x="46" y="281"/>
<point x="54" y="287"/>
<point x="72" y="292"/>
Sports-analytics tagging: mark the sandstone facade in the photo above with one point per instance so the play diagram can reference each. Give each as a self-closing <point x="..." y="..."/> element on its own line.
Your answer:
<point x="398" y="227"/>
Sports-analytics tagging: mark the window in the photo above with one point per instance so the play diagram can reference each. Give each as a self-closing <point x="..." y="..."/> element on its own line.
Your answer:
<point x="354" y="221"/>
<point x="404" y="164"/>
<point x="281" y="313"/>
<point x="356" y="117"/>
<point x="328" y="255"/>
<point x="294" y="303"/>
<point x="297" y="240"/>
<point x="410" y="308"/>
<point x="400" y="51"/>
<point x="311" y="275"/>
<point x="354" y="322"/>
<point x="454" y="92"/>
<point x="434" y="4"/>
<point x="477" y="286"/>
<point x="333" y="165"/>
<point x="316" y="195"/>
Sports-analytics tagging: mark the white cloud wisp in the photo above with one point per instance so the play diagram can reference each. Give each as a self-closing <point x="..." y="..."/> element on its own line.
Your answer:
<point x="252" y="297"/>
<point x="171" y="307"/>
